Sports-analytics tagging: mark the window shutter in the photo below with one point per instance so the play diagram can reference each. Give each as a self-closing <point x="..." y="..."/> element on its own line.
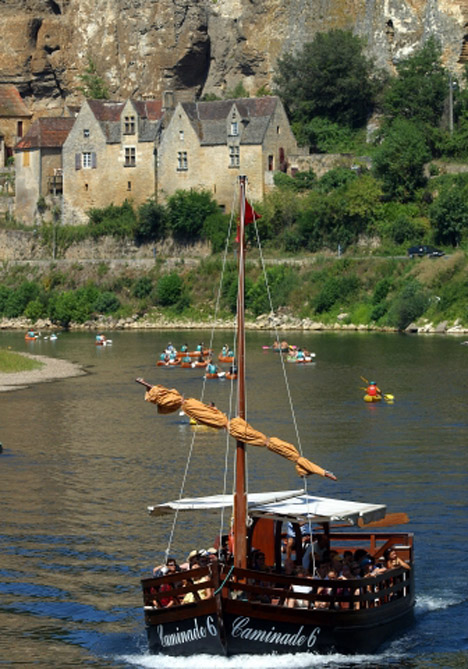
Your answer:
<point x="93" y="160"/>
<point x="77" y="161"/>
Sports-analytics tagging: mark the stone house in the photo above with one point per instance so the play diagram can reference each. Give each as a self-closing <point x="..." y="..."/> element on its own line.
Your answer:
<point x="38" y="166"/>
<point x="207" y="145"/>
<point x="15" y="119"/>
<point x="108" y="157"/>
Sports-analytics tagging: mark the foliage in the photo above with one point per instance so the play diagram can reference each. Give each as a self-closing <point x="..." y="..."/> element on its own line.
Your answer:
<point x="325" y="136"/>
<point x="281" y="281"/>
<point x="107" y="303"/>
<point x="301" y="181"/>
<point x="449" y="214"/>
<point x="94" y="86"/>
<point x="400" y="160"/>
<point x="335" y="289"/>
<point x="187" y="212"/>
<point x="142" y="287"/>
<point x="330" y="78"/>
<point x="169" y="289"/>
<point x="239" y="91"/>
<point x="215" y="230"/>
<point x="411" y="302"/>
<point x="419" y="91"/>
<point x="118" y="221"/>
<point x="150" y="224"/>
<point x="18" y="299"/>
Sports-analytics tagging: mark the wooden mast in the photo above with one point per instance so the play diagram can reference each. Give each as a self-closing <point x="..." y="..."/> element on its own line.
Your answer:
<point x="240" y="496"/>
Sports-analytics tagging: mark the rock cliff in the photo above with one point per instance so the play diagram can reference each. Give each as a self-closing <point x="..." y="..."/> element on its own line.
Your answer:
<point x="143" y="47"/>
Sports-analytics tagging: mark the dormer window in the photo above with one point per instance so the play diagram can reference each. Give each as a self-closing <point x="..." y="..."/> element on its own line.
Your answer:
<point x="181" y="135"/>
<point x="129" y="125"/>
<point x="234" y="128"/>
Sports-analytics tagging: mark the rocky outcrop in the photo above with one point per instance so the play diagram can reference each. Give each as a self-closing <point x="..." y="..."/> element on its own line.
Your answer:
<point x="143" y="47"/>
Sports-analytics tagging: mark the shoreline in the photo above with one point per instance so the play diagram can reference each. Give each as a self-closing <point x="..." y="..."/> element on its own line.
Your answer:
<point x="53" y="369"/>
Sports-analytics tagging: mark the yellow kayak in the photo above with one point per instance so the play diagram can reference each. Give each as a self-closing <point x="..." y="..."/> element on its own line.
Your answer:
<point x="378" y="398"/>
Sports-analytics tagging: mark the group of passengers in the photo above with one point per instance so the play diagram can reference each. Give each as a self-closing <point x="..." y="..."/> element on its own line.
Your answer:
<point x="195" y="560"/>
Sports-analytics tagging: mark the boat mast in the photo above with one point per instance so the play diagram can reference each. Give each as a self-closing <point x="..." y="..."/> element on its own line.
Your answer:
<point x="240" y="497"/>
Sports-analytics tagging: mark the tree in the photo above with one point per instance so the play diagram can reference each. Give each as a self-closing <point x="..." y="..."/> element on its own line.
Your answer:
<point x="151" y="222"/>
<point x="187" y="212"/>
<point x="169" y="289"/>
<point x="399" y="161"/>
<point x="330" y="78"/>
<point x="94" y="86"/>
<point x="449" y="214"/>
<point x="419" y="91"/>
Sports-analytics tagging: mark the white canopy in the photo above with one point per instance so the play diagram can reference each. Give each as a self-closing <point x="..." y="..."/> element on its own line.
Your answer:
<point x="288" y="505"/>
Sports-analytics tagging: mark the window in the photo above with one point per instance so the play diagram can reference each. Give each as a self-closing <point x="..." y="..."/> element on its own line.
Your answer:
<point x="86" y="160"/>
<point x="130" y="156"/>
<point x="270" y="163"/>
<point x="26" y="159"/>
<point x="234" y="128"/>
<point x="182" y="163"/>
<point x="19" y="129"/>
<point x="129" y="185"/>
<point x="86" y="133"/>
<point x="129" y="125"/>
<point x="181" y="135"/>
<point x="234" y="156"/>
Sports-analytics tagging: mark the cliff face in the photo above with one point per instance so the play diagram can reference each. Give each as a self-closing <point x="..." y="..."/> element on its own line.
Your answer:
<point x="143" y="47"/>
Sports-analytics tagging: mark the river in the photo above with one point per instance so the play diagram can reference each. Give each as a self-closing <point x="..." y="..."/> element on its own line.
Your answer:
<point x="83" y="458"/>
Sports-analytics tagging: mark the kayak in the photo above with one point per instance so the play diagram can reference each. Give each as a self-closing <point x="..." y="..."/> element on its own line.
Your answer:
<point x="372" y="398"/>
<point x="308" y="358"/>
<point x="225" y="358"/>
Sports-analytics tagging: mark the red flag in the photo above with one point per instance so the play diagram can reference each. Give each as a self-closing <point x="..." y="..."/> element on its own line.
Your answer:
<point x="250" y="215"/>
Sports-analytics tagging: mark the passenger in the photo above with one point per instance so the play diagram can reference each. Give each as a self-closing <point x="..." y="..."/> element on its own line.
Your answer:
<point x="171" y="567"/>
<point x="233" y="368"/>
<point x="392" y="561"/>
<point x="300" y="589"/>
<point x="230" y="353"/>
<point x="184" y="348"/>
<point x="173" y="355"/>
<point x="323" y="590"/>
<point x="300" y="354"/>
<point x="373" y="390"/>
<point x="186" y="358"/>
<point x="211" y="368"/>
<point x="224" y="350"/>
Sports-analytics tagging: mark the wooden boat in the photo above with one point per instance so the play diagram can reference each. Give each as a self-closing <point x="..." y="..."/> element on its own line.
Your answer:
<point x="228" y="607"/>
<point x="226" y="358"/>
<point x="168" y="363"/>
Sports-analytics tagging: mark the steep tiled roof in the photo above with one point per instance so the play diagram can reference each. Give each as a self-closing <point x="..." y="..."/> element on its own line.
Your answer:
<point x="109" y="114"/>
<point x="46" y="133"/>
<point x="209" y="118"/>
<point x="11" y="103"/>
<point x="150" y="109"/>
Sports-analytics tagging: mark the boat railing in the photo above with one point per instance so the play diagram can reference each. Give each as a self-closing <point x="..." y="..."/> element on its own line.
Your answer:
<point x="375" y="543"/>
<point x="201" y="582"/>
<point x="357" y="593"/>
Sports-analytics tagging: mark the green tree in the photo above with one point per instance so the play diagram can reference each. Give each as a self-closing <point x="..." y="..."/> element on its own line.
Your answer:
<point x="169" y="289"/>
<point x="215" y="229"/>
<point x="94" y="86"/>
<point x="330" y="78"/>
<point x="410" y="304"/>
<point x="449" y="214"/>
<point x="399" y="161"/>
<point x="187" y="212"/>
<point x="419" y="91"/>
<point x="150" y="225"/>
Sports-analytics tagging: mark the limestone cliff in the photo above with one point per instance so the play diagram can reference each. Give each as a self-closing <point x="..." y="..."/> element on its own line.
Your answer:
<point x="143" y="47"/>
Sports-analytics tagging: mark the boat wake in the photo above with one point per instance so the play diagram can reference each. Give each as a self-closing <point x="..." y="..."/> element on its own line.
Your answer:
<point x="288" y="661"/>
<point x="427" y="603"/>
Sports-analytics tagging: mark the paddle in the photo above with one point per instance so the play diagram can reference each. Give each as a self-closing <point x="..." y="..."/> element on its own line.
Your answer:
<point x="390" y="519"/>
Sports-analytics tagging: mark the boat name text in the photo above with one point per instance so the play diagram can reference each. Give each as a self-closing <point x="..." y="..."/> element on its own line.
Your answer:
<point x="241" y="629"/>
<point x="195" y="633"/>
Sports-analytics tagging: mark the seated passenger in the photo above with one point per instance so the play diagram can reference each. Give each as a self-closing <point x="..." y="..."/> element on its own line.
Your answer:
<point x="300" y="589"/>
<point x="392" y="561"/>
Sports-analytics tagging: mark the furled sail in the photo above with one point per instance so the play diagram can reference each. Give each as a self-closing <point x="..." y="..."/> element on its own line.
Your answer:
<point x="170" y="400"/>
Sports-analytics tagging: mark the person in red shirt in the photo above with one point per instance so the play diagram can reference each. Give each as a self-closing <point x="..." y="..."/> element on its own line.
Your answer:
<point x="373" y="390"/>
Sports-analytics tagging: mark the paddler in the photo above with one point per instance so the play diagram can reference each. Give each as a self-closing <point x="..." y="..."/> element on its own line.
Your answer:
<point x="373" y="390"/>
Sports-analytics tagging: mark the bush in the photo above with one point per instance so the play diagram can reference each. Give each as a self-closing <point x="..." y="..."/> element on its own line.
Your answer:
<point x="335" y="289"/>
<point x="107" y="303"/>
<point x="187" y="212"/>
<point x="150" y="225"/>
<point x="113" y="220"/>
<point x="410" y="304"/>
<point x="169" y="289"/>
<point x="142" y="287"/>
<point x="215" y="229"/>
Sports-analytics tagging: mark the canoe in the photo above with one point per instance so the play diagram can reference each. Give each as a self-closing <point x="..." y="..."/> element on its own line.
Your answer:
<point x="170" y="363"/>
<point x="225" y="358"/>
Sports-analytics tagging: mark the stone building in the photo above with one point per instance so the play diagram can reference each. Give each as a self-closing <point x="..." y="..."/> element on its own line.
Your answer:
<point x="206" y="145"/>
<point x="15" y="119"/>
<point x="38" y="166"/>
<point x="108" y="157"/>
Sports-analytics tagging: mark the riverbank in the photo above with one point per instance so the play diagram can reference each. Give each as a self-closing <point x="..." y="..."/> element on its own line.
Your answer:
<point x="52" y="369"/>
<point x="282" y="322"/>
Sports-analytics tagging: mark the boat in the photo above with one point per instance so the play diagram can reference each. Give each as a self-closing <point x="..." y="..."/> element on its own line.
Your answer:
<point x="226" y="358"/>
<point x="223" y="604"/>
<point x="310" y="357"/>
<point x="31" y="335"/>
<point x="168" y="363"/>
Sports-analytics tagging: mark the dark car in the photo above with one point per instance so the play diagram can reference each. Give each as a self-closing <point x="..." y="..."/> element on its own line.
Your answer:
<point x="424" y="250"/>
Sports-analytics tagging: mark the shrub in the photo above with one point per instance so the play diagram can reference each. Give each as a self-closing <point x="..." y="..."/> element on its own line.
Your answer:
<point x="142" y="287"/>
<point x="150" y="225"/>
<point x="107" y="303"/>
<point x="169" y="289"/>
<point x="215" y="229"/>
<point x="187" y="212"/>
<point x="410" y="304"/>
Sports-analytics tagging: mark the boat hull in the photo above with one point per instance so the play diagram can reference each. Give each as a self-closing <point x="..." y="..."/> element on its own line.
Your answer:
<point x="263" y="629"/>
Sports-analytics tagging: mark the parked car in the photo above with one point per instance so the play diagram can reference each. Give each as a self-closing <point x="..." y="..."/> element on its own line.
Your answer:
<point x="424" y="250"/>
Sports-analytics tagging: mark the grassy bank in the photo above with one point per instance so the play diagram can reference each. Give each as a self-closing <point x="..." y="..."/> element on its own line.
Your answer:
<point x="11" y="363"/>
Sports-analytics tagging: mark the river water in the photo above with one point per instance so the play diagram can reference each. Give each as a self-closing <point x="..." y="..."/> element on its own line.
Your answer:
<point x="83" y="458"/>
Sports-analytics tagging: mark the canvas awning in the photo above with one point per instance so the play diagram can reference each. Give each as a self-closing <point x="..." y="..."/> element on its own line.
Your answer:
<point x="286" y="505"/>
